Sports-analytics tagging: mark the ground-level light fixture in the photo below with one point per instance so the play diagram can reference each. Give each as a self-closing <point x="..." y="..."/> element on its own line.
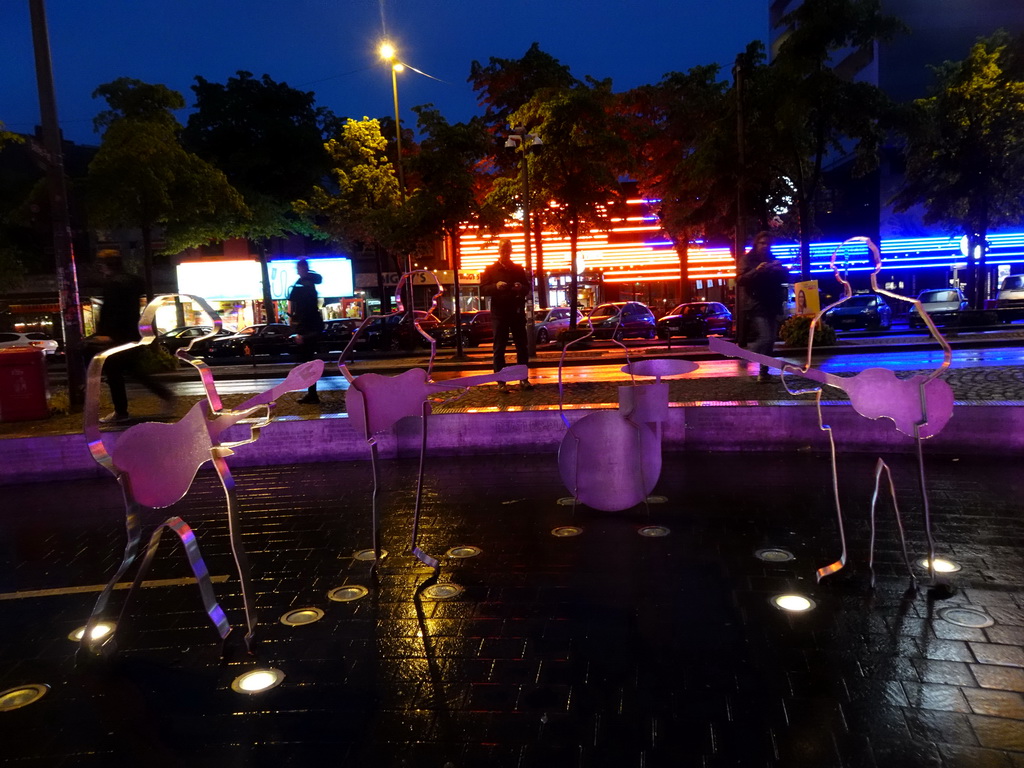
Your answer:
<point x="100" y="632"/>
<point x="298" y="617"/>
<point x="564" y="531"/>
<point x="654" y="531"/>
<point x="369" y="554"/>
<point x="443" y="591"/>
<point x="257" y="680"/>
<point x="942" y="565"/>
<point x="774" y="555"/>
<point x="464" y="551"/>
<point x="792" y="603"/>
<point x="348" y="593"/>
<point x="22" y="696"/>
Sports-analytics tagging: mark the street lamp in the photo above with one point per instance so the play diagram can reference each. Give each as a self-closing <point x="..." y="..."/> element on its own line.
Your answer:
<point x="388" y="53"/>
<point x="521" y="141"/>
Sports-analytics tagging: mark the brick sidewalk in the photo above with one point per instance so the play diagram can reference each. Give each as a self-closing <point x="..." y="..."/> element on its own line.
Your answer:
<point x="608" y="649"/>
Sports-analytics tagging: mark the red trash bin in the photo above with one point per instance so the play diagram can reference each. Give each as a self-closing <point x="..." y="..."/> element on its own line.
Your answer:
<point x="23" y="384"/>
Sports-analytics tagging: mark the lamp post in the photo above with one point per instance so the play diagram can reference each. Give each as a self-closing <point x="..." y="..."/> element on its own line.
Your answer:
<point x="387" y="52"/>
<point x="521" y="141"/>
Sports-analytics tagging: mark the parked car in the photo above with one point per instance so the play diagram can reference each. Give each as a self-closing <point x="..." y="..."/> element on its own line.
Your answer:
<point x="183" y="335"/>
<point x="337" y="334"/>
<point x="622" y="319"/>
<point x="265" y="339"/>
<point x="865" y="310"/>
<point x="1010" y="299"/>
<point x="943" y="305"/>
<point x="696" y="318"/>
<point x="393" y="332"/>
<point x="36" y="339"/>
<point x="476" y="330"/>
<point x="548" y="323"/>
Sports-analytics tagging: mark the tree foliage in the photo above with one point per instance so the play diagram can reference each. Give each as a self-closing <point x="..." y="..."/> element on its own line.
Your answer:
<point x="141" y="177"/>
<point x="965" y="148"/>
<point x="268" y="139"/>
<point x="673" y="128"/>
<point x="808" y="108"/>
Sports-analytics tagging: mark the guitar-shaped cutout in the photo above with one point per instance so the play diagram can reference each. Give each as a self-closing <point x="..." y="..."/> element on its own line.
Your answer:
<point x="376" y="402"/>
<point x="161" y="460"/>
<point x="920" y="406"/>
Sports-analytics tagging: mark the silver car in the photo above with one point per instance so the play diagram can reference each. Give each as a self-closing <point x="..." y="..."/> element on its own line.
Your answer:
<point x="943" y="306"/>
<point x="548" y="323"/>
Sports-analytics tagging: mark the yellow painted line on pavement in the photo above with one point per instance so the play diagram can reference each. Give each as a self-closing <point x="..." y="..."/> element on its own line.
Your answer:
<point x="99" y="588"/>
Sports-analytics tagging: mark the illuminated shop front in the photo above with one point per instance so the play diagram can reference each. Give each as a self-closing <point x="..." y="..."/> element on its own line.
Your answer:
<point x="234" y="287"/>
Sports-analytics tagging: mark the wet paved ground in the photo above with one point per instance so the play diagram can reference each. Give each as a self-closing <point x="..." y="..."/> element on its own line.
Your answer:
<point x="606" y="649"/>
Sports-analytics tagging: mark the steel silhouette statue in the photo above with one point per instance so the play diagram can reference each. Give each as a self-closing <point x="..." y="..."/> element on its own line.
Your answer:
<point x="156" y="463"/>
<point x="919" y="406"/>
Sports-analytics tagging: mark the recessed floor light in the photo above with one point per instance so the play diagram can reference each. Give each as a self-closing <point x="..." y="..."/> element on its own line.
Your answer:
<point x="22" y="696"/>
<point x="793" y="603"/>
<point x="257" y="680"/>
<point x="563" y="531"/>
<point x="443" y="591"/>
<point x="369" y="554"/>
<point x="567" y="501"/>
<point x="966" y="617"/>
<point x="774" y="555"/>
<point x="657" y="499"/>
<point x="463" y="552"/>
<point x="347" y="593"/>
<point x="654" y="531"/>
<point x="300" y="616"/>
<point x="100" y="632"/>
<point x="942" y="565"/>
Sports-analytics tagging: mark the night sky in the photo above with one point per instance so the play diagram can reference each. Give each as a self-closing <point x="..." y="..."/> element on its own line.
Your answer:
<point x="329" y="47"/>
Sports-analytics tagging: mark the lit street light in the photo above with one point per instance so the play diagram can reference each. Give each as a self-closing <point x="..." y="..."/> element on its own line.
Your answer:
<point x="521" y="141"/>
<point x="388" y="53"/>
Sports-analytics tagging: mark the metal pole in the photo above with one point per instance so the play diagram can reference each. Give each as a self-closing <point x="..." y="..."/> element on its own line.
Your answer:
<point x="401" y="177"/>
<point x="531" y="340"/>
<point x="64" y="253"/>
<point x="739" y="236"/>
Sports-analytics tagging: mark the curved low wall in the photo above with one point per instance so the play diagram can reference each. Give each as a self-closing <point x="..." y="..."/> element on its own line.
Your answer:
<point x="974" y="429"/>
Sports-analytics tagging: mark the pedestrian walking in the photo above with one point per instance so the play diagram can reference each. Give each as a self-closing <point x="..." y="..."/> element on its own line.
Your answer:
<point x="508" y="286"/>
<point x="765" y="282"/>
<point x="306" y="321"/>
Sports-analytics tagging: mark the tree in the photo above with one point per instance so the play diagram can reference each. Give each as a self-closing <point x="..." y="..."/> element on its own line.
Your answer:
<point x="364" y="206"/>
<point x="671" y="127"/>
<point x="578" y="168"/>
<point x="268" y="138"/>
<point x="812" y="110"/>
<point x="450" y="190"/>
<point x="965" y="149"/>
<point x="142" y="178"/>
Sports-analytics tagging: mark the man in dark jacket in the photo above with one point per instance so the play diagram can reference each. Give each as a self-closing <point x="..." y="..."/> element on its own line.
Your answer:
<point x="508" y="286"/>
<point x="306" y="320"/>
<point x="119" y="324"/>
<point x="764" y="280"/>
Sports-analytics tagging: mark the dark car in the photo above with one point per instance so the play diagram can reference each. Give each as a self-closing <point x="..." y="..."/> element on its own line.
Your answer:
<point x="866" y="310"/>
<point x="183" y="335"/>
<point x="337" y="334"/>
<point x="623" y="319"/>
<point x="476" y="330"/>
<point x="269" y="339"/>
<point x="943" y="306"/>
<point x="394" y="332"/>
<point x="696" y="318"/>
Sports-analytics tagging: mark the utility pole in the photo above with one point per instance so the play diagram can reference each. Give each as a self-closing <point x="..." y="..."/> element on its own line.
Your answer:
<point x="739" y="235"/>
<point x="64" y="254"/>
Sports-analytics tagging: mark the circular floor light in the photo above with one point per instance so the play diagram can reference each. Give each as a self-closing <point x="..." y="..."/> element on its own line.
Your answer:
<point x="774" y="555"/>
<point x="567" y="501"/>
<point x="443" y="591"/>
<point x="22" y="696"/>
<point x="369" y="554"/>
<point x="463" y="552"/>
<point x="348" y="593"/>
<point x="966" y="617"/>
<point x="564" y="531"/>
<point x="654" y="531"/>
<point x="257" y="680"/>
<point x="100" y="632"/>
<point x="793" y="603"/>
<point x="657" y="499"/>
<point x="942" y="565"/>
<point x="302" y="616"/>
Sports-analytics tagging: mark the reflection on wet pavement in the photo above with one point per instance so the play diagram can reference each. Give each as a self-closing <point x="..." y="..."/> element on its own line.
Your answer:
<point x="602" y="649"/>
